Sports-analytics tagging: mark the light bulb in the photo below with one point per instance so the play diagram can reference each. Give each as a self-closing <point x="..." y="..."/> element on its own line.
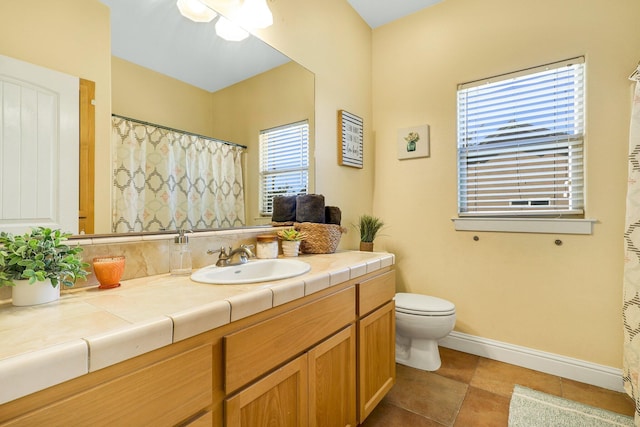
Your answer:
<point x="256" y="14"/>
<point x="196" y="10"/>
<point x="230" y="31"/>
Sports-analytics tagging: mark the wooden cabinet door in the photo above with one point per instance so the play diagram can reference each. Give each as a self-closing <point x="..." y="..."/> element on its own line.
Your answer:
<point x="279" y="399"/>
<point x="376" y="357"/>
<point x="332" y="381"/>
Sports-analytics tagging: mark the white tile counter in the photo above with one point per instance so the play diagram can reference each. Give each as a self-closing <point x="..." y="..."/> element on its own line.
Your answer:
<point x="91" y="329"/>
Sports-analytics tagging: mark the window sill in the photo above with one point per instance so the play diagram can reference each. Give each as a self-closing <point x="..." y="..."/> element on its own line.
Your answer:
<point x="526" y="225"/>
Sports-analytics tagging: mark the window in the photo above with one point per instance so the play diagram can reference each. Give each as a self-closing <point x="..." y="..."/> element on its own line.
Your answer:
<point x="284" y="163"/>
<point x="520" y="143"/>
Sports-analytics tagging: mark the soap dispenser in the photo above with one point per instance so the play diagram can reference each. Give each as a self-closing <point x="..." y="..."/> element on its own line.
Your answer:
<point x="181" y="254"/>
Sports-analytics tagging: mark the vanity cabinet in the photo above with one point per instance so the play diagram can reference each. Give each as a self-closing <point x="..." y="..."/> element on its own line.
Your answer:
<point x="323" y="360"/>
<point x="315" y="389"/>
<point x="376" y="341"/>
<point x="327" y="371"/>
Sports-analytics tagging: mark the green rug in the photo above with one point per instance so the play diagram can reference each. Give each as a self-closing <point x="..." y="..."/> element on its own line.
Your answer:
<point x="530" y="408"/>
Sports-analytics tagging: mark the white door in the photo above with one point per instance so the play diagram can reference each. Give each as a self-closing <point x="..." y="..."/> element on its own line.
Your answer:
<point x="39" y="147"/>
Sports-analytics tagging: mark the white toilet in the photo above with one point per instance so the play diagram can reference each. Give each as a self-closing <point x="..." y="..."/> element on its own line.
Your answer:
<point x="421" y="321"/>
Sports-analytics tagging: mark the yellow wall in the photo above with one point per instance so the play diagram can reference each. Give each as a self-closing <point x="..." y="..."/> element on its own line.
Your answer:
<point x="71" y="36"/>
<point x="517" y="288"/>
<point x="274" y="98"/>
<point x="143" y="94"/>
<point x="331" y="39"/>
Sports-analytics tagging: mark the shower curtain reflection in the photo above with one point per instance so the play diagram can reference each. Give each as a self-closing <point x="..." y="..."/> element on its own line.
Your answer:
<point x="166" y="179"/>
<point x="631" y="286"/>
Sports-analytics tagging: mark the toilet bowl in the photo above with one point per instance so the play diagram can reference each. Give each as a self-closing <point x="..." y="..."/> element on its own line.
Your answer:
<point x="421" y="321"/>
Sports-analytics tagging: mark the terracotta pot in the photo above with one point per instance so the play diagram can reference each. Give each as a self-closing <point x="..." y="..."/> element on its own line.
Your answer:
<point x="24" y="294"/>
<point x="108" y="270"/>
<point x="366" y="246"/>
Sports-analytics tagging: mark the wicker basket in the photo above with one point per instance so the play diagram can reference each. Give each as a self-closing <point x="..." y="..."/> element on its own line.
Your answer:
<point x="321" y="238"/>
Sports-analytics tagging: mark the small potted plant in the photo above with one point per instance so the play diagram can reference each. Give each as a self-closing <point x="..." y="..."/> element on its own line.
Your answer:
<point x="36" y="262"/>
<point x="291" y="239"/>
<point x="369" y="227"/>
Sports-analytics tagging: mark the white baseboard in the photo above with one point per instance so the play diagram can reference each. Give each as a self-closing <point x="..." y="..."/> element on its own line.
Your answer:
<point x="554" y="364"/>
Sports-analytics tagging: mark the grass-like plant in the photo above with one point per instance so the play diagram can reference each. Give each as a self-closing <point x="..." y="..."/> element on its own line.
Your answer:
<point x="40" y="255"/>
<point x="369" y="227"/>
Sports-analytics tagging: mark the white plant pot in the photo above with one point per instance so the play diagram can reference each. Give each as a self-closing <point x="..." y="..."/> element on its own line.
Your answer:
<point x="24" y="294"/>
<point x="290" y="247"/>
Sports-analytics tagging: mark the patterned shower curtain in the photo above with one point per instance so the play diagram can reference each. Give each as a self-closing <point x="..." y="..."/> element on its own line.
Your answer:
<point x="631" y="290"/>
<point x="165" y="180"/>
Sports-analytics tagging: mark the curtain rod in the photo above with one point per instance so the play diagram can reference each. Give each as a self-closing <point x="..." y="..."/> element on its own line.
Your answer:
<point x="635" y="75"/>
<point x="142" y="122"/>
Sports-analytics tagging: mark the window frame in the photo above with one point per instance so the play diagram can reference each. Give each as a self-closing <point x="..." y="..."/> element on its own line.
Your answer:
<point x="491" y="118"/>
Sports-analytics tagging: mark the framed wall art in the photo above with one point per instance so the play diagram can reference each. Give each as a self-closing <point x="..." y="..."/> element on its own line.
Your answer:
<point x="350" y="135"/>
<point x="413" y="142"/>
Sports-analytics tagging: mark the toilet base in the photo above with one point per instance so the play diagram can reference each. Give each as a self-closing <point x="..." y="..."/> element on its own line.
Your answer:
<point x="418" y="353"/>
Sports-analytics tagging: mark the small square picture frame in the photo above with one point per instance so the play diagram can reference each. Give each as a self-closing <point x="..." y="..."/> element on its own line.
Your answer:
<point x="413" y="142"/>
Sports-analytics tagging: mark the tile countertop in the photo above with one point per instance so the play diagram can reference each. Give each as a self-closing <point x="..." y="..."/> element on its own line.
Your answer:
<point x="91" y="329"/>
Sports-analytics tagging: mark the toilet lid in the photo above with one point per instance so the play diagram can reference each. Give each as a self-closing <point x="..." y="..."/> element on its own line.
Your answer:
<point x="423" y="305"/>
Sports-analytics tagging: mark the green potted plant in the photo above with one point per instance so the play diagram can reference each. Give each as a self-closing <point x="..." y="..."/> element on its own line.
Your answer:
<point x="36" y="262"/>
<point x="291" y="239"/>
<point x="369" y="227"/>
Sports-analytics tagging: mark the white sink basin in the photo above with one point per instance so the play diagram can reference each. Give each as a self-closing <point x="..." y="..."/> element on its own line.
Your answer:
<point x="262" y="270"/>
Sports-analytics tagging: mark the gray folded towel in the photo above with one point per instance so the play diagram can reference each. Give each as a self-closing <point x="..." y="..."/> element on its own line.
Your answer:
<point x="310" y="208"/>
<point x="284" y="208"/>
<point x="332" y="215"/>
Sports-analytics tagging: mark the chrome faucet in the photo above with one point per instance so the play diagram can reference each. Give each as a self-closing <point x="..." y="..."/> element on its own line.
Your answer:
<point x="225" y="258"/>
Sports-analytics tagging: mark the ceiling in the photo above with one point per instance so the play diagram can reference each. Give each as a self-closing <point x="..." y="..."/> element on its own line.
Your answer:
<point x="379" y="12"/>
<point x="153" y="34"/>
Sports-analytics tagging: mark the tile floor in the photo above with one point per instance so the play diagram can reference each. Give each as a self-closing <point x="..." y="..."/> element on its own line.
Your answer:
<point x="469" y="391"/>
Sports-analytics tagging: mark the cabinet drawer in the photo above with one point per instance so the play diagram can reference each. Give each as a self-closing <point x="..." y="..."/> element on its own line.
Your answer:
<point x="256" y="350"/>
<point x="163" y="394"/>
<point x="375" y="292"/>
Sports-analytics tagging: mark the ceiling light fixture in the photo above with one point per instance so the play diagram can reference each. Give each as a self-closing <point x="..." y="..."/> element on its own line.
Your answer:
<point x="256" y="14"/>
<point x="196" y="10"/>
<point x="230" y="31"/>
<point x="252" y="14"/>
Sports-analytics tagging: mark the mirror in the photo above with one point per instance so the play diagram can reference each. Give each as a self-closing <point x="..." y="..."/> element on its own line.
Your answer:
<point x="177" y="73"/>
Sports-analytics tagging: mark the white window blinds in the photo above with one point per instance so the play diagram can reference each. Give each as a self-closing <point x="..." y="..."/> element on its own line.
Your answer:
<point x="520" y="143"/>
<point x="284" y="163"/>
